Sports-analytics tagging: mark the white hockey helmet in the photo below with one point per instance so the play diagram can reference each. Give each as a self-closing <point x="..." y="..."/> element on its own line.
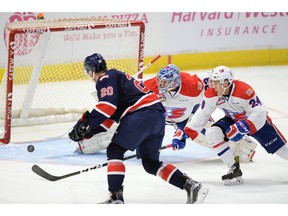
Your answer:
<point x="221" y="73"/>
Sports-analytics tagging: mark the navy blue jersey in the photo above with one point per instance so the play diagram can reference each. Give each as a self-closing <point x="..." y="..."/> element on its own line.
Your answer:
<point x="119" y="94"/>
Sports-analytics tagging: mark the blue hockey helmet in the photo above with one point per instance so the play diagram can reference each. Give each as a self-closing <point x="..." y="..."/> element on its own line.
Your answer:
<point x="95" y="63"/>
<point x="168" y="78"/>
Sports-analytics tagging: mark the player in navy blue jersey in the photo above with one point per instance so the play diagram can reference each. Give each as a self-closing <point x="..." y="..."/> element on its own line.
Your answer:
<point x="141" y="125"/>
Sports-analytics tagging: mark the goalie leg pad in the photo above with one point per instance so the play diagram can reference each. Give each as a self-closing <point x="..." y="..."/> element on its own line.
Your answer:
<point x="244" y="148"/>
<point x="92" y="145"/>
<point x="98" y="142"/>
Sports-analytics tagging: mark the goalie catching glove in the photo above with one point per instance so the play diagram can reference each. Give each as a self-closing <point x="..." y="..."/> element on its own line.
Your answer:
<point x="81" y="129"/>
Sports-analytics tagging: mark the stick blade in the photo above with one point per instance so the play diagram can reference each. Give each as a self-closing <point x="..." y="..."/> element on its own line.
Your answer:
<point x="39" y="171"/>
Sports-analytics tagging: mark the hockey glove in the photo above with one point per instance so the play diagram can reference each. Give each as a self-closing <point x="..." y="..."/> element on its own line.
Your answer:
<point x="237" y="131"/>
<point x="179" y="139"/>
<point x="81" y="129"/>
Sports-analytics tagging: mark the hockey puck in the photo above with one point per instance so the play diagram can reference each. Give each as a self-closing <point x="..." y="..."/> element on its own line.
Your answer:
<point x="30" y="148"/>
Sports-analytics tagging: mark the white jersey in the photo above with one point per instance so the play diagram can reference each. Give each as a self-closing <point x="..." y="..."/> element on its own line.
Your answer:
<point x="241" y="104"/>
<point x="179" y="104"/>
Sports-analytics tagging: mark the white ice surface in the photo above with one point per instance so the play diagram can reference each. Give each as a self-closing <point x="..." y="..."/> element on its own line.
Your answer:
<point x="266" y="179"/>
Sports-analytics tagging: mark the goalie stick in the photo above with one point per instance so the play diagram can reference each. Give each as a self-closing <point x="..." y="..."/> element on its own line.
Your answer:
<point x="47" y="139"/>
<point x="39" y="171"/>
<point x="135" y="76"/>
<point x="58" y="137"/>
<point x="146" y="66"/>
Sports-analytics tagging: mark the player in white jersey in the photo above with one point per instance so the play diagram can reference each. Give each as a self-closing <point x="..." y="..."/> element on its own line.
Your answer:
<point x="180" y="94"/>
<point x="245" y="115"/>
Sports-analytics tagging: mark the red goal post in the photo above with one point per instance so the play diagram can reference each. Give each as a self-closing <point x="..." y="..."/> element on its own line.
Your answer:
<point x="44" y="79"/>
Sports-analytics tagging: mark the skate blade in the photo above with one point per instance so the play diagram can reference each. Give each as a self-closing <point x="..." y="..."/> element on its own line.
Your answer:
<point x="202" y="194"/>
<point x="113" y="202"/>
<point x="235" y="181"/>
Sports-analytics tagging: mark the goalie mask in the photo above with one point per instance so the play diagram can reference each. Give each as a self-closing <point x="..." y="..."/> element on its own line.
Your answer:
<point x="168" y="78"/>
<point x="95" y="63"/>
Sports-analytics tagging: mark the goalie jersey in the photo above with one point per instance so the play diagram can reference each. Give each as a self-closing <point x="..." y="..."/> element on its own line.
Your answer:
<point x="179" y="104"/>
<point x="119" y="94"/>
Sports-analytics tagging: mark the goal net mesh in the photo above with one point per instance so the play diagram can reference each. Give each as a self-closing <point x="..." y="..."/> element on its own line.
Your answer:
<point x="45" y="66"/>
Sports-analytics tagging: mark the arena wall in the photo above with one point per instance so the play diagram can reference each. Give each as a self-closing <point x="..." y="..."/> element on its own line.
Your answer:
<point x="195" y="40"/>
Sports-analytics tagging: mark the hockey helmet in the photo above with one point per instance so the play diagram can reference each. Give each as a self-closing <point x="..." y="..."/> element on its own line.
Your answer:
<point x="168" y="78"/>
<point x="221" y="73"/>
<point x="95" y="63"/>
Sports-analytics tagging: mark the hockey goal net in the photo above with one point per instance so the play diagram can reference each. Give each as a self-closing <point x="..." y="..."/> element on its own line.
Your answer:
<point x="44" y="80"/>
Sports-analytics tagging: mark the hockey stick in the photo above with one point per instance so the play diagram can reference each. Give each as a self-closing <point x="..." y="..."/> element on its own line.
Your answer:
<point x="94" y="94"/>
<point x="58" y="137"/>
<point x="39" y="171"/>
<point x="146" y="66"/>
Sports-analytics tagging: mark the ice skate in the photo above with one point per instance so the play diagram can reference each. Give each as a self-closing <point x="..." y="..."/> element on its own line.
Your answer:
<point x="195" y="192"/>
<point x="234" y="175"/>
<point x="115" y="198"/>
